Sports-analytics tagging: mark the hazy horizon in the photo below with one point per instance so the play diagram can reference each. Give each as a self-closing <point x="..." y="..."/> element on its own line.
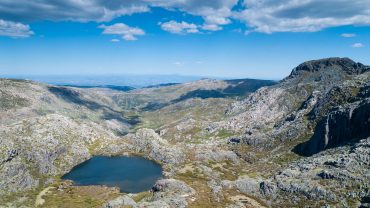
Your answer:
<point x="132" y="80"/>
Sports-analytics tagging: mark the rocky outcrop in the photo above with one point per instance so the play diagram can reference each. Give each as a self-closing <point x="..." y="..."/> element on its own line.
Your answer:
<point x="150" y="144"/>
<point x="174" y="192"/>
<point x="44" y="147"/>
<point x="289" y="109"/>
<point x="16" y="176"/>
<point x="216" y="155"/>
<point x="344" y="170"/>
<point x="122" y="201"/>
<point x="345" y="64"/>
<point x="334" y="175"/>
<point x="165" y="193"/>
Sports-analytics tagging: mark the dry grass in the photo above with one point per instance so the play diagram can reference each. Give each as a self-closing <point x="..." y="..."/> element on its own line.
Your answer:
<point x="80" y="196"/>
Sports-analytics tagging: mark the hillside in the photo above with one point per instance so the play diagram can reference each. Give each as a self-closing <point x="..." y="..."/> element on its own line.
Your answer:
<point x="303" y="141"/>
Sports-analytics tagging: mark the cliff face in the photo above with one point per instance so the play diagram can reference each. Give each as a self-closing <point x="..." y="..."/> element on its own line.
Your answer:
<point x="342" y="116"/>
<point x="293" y="107"/>
<point x="340" y="127"/>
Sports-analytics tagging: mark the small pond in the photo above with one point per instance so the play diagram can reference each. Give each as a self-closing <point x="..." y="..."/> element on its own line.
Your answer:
<point x="130" y="174"/>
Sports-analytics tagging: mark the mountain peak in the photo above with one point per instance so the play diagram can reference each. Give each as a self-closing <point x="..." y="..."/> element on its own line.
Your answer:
<point x="345" y="64"/>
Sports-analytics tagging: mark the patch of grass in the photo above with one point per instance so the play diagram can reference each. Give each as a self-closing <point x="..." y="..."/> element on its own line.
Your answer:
<point x="8" y="101"/>
<point x="80" y="197"/>
<point x="143" y="195"/>
<point x="227" y="170"/>
<point x="223" y="134"/>
<point x="284" y="159"/>
<point x="190" y="176"/>
<point x="25" y="198"/>
<point x="95" y="146"/>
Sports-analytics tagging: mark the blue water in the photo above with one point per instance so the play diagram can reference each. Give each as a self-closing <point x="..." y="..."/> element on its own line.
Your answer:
<point x="130" y="174"/>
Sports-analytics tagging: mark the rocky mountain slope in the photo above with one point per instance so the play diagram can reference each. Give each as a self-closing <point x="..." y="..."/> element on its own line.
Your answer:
<point x="156" y="97"/>
<point x="322" y="107"/>
<point x="301" y="142"/>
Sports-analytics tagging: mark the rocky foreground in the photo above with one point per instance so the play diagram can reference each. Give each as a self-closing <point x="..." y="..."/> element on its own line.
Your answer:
<point x="302" y="142"/>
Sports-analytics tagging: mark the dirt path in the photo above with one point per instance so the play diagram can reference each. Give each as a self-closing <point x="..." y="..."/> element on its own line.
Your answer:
<point x="39" y="200"/>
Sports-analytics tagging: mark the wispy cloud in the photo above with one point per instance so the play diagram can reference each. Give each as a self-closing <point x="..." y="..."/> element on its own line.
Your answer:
<point x="348" y="35"/>
<point x="125" y="31"/>
<point x="115" y="40"/>
<point x="179" y="63"/>
<point x="14" y="29"/>
<point x="357" y="45"/>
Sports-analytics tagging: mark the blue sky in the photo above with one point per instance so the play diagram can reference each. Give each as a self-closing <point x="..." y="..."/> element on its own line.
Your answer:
<point x="229" y="38"/>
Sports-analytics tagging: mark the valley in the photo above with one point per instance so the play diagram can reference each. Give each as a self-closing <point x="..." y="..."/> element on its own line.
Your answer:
<point x="299" y="142"/>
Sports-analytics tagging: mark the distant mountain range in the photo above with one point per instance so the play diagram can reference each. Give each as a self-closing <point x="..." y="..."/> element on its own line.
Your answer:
<point x="112" y="87"/>
<point x="136" y="81"/>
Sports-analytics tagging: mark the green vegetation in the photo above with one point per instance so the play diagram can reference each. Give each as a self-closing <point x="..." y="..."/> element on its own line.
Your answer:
<point x="8" y="101"/>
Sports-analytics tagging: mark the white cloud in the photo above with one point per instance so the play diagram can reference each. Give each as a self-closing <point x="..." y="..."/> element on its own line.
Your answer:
<point x="184" y="27"/>
<point x="214" y="12"/>
<point x="115" y="40"/>
<point x="217" y="12"/>
<point x="127" y="32"/>
<point x="266" y="16"/>
<point x="211" y="27"/>
<point x="269" y="16"/>
<point x="348" y="35"/>
<point x="179" y="27"/>
<point x="14" y="29"/>
<point x="358" y="45"/>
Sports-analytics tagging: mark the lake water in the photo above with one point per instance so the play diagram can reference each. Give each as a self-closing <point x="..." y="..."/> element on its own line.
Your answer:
<point x="130" y="174"/>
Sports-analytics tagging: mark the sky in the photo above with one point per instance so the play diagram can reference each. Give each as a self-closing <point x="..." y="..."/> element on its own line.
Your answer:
<point x="218" y="38"/>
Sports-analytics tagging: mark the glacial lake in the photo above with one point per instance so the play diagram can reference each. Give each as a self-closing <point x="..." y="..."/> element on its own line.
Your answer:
<point x="130" y="174"/>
